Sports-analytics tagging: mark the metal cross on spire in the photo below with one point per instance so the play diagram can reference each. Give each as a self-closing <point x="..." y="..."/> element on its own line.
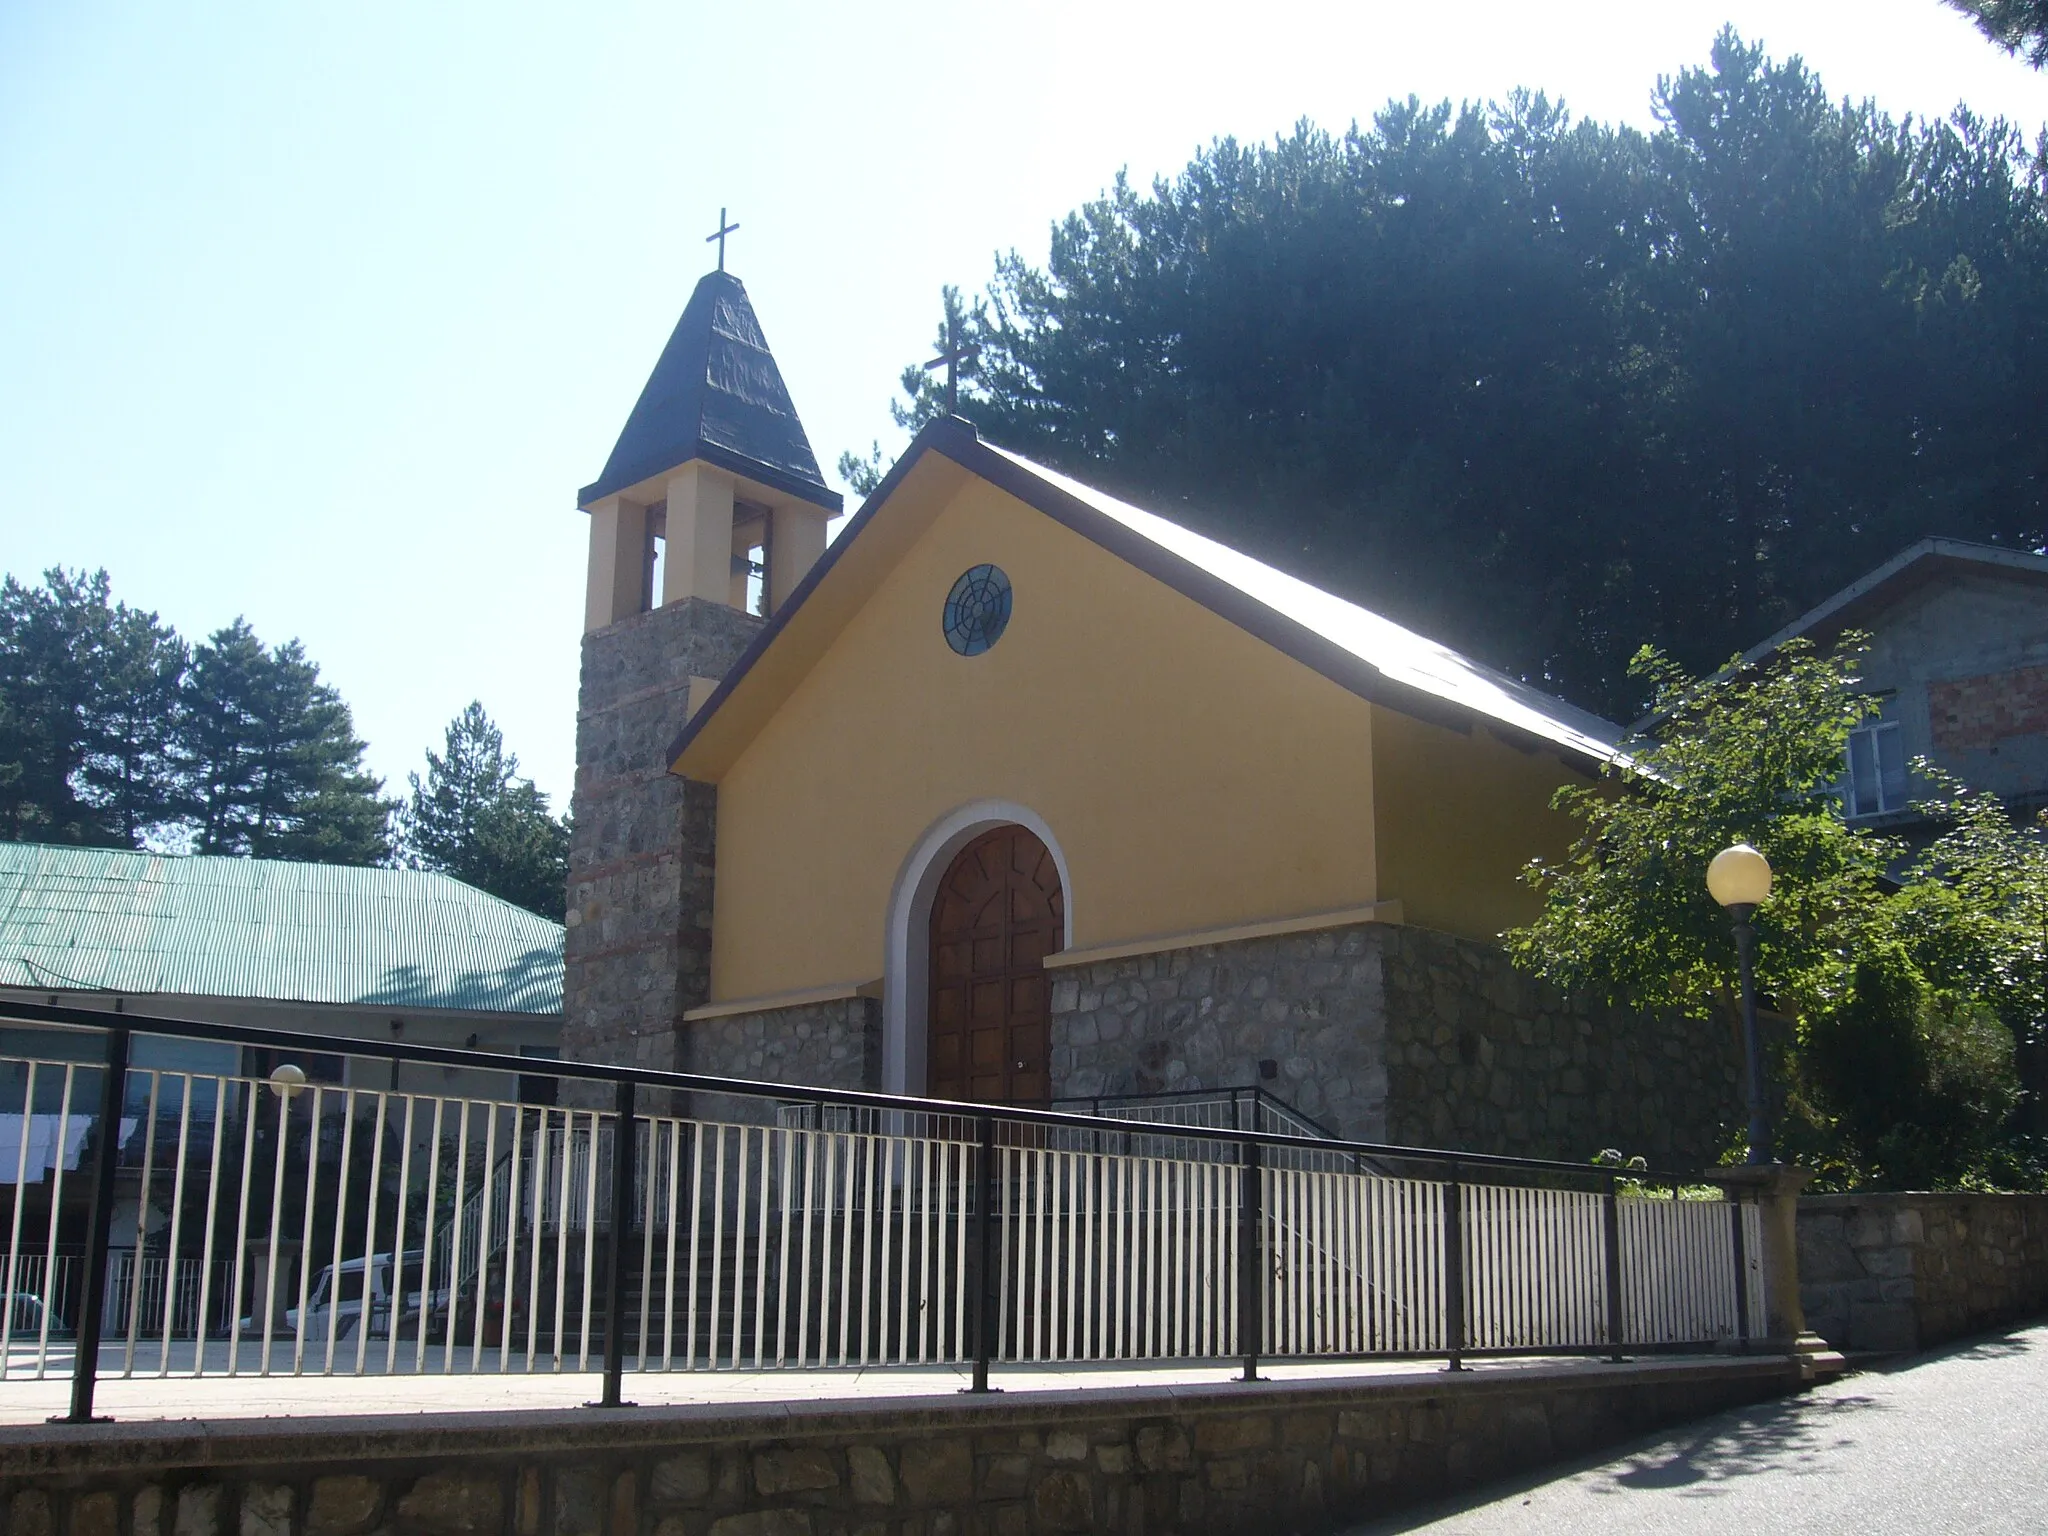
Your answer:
<point x="954" y="353"/>
<point x="724" y="229"/>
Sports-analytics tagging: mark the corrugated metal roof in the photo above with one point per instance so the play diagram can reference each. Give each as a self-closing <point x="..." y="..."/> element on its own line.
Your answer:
<point x="114" y="920"/>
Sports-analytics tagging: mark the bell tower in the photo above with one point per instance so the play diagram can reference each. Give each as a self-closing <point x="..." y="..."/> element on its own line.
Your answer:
<point x="707" y="515"/>
<point x="712" y="486"/>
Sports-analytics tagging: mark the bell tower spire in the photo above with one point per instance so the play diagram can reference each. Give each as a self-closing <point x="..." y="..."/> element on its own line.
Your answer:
<point x="712" y="475"/>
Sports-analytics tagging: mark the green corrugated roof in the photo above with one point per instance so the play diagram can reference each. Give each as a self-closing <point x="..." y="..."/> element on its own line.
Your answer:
<point x="113" y="920"/>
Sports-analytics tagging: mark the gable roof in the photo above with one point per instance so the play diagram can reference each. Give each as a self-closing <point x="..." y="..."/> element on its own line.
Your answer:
<point x="715" y="394"/>
<point x="1358" y="649"/>
<point x="1919" y="565"/>
<point x="105" y="919"/>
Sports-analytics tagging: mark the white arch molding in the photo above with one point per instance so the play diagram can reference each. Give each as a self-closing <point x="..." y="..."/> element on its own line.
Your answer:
<point x="906" y="970"/>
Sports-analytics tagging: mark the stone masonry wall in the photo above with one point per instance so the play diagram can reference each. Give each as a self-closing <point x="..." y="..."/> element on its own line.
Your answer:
<point x="641" y="846"/>
<point x="1205" y="1017"/>
<point x="1197" y="1460"/>
<point x="826" y="1045"/>
<point x="1388" y="1033"/>
<point x="1484" y="1058"/>
<point x="1909" y="1271"/>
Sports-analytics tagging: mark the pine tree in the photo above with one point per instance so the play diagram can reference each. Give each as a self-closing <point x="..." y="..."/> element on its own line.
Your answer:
<point x="88" y="713"/>
<point x="130" y="772"/>
<point x="271" y="762"/>
<point x="1547" y="389"/>
<point x="473" y="817"/>
<point x="2017" y="26"/>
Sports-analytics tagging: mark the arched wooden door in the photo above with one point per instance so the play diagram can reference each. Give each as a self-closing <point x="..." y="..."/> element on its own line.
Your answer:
<point x="998" y="912"/>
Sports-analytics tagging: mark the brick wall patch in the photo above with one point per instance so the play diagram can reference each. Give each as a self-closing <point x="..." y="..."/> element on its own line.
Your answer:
<point x="1970" y="713"/>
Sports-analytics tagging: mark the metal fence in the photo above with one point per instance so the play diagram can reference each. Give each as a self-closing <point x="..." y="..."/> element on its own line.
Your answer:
<point x="1237" y="1109"/>
<point x="272" y="1228"/>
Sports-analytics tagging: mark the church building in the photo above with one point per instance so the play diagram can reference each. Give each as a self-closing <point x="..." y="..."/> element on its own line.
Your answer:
<point x="1014" y="792"/>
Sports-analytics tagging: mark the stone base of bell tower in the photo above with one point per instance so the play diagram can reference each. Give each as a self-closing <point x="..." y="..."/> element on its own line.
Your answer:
<point x="641" y="842"/>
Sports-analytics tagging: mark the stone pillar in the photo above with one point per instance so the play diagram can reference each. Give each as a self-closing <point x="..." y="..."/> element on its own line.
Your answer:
<point x="1775" y="1188"/>
<point x="641" y="847"/>
<point x="618" y="563"/>
<point x="699" y="559"/>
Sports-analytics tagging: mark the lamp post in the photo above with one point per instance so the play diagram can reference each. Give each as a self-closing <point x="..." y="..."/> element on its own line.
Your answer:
<point x="1740" y="879"/>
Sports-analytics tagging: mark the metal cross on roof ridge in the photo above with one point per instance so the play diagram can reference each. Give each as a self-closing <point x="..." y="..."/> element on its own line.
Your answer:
<point x="950" y="358"/>
<point x="723" y="230"/>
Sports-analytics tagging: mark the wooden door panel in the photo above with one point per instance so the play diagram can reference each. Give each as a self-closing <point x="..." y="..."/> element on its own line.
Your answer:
<point x="998" y="913"/>
<point x="1029" y="946"/>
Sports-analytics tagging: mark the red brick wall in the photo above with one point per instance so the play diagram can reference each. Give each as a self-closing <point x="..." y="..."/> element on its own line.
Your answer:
<point x="1982" y="711"/>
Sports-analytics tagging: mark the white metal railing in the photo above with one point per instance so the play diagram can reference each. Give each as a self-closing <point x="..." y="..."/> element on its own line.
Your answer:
<point x="339" y="1230"/>
<point x="1357" y="1265"/>
<point x="1672" y="1253"/>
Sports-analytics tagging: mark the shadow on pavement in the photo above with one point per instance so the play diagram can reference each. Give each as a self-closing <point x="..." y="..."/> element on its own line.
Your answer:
<point x="2020" y="1339"/>
<point x="1789" y="1436"/>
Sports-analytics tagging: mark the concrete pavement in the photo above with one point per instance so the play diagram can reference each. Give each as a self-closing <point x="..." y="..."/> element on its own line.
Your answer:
<point x="145" y="1396"/>
<point x="1953" y="1441"/>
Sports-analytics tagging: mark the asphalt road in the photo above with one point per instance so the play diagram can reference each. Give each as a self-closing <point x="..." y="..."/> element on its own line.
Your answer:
<point x="1951" y="1441"/>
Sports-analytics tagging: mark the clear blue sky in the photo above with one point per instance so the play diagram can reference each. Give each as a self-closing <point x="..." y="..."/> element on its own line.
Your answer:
<point x="320" y="313"/>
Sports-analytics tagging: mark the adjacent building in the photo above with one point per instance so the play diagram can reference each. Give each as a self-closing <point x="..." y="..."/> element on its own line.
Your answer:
<point x="394" y="955"/>
<point x="404" y="957"/>
<point x="1958" y="661"/>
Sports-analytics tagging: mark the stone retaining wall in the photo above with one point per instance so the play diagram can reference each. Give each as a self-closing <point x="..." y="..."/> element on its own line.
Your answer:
<point x="1398" y="1034"/>
<point x="1909" y="1271"/>
<point x="827" y="1045"/>
<point x="1207" y="1016"/>
<point x="1261" y="1459"/>
<point x="1485" y="1058"/>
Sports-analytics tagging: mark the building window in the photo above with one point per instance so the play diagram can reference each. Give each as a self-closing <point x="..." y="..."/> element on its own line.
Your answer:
<point x="1876" y="777"/>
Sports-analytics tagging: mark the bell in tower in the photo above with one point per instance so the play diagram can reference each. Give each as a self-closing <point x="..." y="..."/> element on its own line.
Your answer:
<point x="708" y="514"/>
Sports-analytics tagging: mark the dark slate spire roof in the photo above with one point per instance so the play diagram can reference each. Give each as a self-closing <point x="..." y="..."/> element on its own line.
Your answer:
<point x="716" y="395"/>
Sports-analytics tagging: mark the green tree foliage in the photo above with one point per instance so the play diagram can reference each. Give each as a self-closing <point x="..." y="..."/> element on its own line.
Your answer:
<point x="473" y="817"/>
<point x="1752" y="754"/>
<point x="1974" y="909"/>
<point x="271" y="763"/>
<point x="1901" y="1086"/>
<point x="1546" y="389"/>
<point x="862" y="475"/>
<point x="46" y="681"/>
<point x="114" y="732"/>
<point x="88" y="710"/>
<point x="131" y="769"/>
<point x="1907" y="979"/>
<point x="2017" y="26"/>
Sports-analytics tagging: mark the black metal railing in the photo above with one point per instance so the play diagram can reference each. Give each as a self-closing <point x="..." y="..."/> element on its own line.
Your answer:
<point x="680" y="1221"/>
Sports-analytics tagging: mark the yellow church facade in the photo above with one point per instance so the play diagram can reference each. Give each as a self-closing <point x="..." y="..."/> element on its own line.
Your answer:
<point x="1020" y="793"/>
